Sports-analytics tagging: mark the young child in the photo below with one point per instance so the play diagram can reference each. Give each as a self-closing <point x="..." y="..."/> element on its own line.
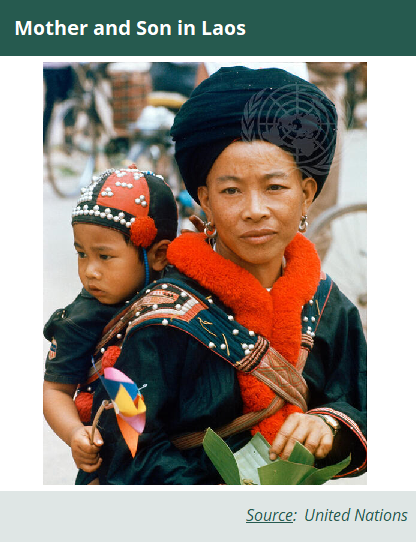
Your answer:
<point x="122" y="225"/>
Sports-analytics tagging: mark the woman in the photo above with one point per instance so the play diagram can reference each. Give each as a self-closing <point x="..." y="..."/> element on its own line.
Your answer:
<point x="222" y="341"/>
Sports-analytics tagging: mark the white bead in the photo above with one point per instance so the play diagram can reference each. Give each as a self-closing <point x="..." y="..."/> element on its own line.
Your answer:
<point x="244" y="346"/>
<point x="164" y="286"/>
<point x="251" y="333"/>
<point x="183" y="294"/>
<point x="142" y="197"/>
<point x="235" y="332"/>
<point x="144" y="204"/>
<point x="107" y="211"/>
<point x="223" y="347"/>
<point x="119" y="335"/>
<point x="230" y="317"/>
<point x="122" y="221"/>
<point x="102" y="215"/>
<point x="178" y="307"/>
<point x="211" y="345"/>
<point x="102" y="350"/>
<point x="210" y="301"/>
<point x="251" y="346"/>
<point x="305" y="318"/>
<point x="247" y="352"/>
<point x="313" y="319"/>
<point x="164" y="322"/>
<point x="147" y="291"/>
<point x="154" y="307"/>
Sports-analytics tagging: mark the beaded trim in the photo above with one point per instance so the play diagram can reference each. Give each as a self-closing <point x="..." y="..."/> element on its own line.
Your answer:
<point x="87" y="195"/>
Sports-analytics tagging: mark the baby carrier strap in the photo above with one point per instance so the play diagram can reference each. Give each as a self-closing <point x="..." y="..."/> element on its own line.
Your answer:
<point x="174" y="304"/>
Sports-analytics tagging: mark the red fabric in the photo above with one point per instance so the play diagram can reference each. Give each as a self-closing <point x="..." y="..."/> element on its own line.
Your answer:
<point x="110" y="356"/>
<point x="83" y="402"/>
<point x="276" y="315"/>
<point x="124" y="199"/>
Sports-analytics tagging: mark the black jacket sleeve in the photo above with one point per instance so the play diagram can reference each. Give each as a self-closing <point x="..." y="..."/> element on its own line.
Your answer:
<point x="336" y="373"/>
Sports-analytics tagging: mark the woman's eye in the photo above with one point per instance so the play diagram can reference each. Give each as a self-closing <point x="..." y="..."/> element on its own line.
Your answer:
<point x="230" y="190"/>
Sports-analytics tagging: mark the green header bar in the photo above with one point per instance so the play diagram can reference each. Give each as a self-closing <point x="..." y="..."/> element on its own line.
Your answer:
<point x="216" y="28"/>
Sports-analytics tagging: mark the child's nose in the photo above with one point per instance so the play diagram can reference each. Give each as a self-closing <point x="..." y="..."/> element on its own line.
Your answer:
<point x="92" y="270"/>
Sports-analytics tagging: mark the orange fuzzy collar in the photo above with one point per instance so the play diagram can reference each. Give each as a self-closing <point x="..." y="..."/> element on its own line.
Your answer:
<point x="275" y="315"/>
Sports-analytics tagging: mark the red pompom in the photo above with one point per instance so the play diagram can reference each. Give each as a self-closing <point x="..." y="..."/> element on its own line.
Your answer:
<point x="143" y="231"/>
<point x="110" y="356"/>
<point x="83" y="402"/>
<point x="132" y="166"/>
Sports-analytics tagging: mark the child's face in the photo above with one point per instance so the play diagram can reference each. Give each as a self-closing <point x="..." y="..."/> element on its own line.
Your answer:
<point x="109" y="268"/>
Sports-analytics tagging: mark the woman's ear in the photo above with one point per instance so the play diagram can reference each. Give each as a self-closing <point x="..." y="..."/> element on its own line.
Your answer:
<point x="156" y="255"/>
<point x="309" y="188"/>
<point x="204" y="201"/>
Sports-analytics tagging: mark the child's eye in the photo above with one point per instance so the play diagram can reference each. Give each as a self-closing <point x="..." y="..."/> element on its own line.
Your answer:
<point x="105" y="257"/>
<point x="81" y="254"/>
<point x="275" y="187"/>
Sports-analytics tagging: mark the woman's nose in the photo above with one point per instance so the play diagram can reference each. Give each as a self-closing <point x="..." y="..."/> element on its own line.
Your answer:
<point x="255" y="207"/>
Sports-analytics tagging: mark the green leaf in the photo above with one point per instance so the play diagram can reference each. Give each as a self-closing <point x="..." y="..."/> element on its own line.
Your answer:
<point x="301" y="455"/>
<point x="323" y="475"/>
<point x="253" y="455"/>
<point x="222" y="457"/>
<point x="282" y="472"/>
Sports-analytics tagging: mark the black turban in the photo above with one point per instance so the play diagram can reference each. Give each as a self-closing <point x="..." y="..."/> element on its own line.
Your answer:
<point x="271" y="105"/>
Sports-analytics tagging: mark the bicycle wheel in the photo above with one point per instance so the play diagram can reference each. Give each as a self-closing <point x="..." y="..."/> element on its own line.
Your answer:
<point x="345" y="260"/>
<point x="71" y="149"/>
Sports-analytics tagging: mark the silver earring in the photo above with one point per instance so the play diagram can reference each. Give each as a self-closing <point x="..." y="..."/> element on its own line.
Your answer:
<point x="303" y="225"/>
<point x="210" y="230"/>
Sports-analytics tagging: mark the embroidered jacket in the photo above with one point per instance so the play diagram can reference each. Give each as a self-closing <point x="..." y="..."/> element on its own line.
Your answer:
<point x="189" y="387"/>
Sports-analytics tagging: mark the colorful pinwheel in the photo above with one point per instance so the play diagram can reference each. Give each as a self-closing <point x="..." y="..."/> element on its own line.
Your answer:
<point x="128" y="405"/>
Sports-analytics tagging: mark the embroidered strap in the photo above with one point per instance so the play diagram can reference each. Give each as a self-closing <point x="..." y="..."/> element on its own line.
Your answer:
<point x="242" y="423"/>
<point x="170" y="304"/>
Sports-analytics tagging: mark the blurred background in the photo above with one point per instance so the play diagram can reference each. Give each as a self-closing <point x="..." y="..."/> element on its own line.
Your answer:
<point x="101" y="115"/>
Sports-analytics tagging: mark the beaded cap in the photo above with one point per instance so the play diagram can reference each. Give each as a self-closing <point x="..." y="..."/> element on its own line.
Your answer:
<point x="138" y="203"/>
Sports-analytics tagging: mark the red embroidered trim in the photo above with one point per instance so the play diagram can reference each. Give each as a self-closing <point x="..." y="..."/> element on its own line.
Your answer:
<point x="275" y="315"/>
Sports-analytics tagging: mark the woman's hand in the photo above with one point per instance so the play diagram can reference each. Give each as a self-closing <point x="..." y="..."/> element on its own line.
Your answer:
<point x="85" y="454"/>
<point x="311" y="431"/>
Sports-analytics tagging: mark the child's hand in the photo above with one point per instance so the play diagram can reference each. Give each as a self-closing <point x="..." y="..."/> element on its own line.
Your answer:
<point x="85" y="454"/>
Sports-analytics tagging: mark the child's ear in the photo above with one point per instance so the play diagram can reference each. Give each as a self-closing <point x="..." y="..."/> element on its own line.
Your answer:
<point x="157" y="255"/>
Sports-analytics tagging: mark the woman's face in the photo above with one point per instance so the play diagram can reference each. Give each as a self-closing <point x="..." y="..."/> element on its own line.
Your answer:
<point x="255" y="196"/>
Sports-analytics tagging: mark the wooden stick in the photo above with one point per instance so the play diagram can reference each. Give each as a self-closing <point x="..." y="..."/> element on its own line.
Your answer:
<point x="104" y="404"/>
